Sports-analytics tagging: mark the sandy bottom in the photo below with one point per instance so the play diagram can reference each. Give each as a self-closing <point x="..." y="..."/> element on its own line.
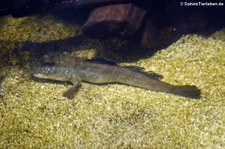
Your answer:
<point x="33" y="114"/>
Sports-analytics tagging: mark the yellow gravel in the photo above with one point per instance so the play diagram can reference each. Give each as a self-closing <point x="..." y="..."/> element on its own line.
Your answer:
<point x="33" y="114"/>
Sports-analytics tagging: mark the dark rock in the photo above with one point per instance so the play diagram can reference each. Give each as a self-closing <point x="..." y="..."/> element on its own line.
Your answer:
<point x="114" y="20"/>
<point x="88" y="2"/>
<point x="154" y="37"/>
<point x="21" y="8"/>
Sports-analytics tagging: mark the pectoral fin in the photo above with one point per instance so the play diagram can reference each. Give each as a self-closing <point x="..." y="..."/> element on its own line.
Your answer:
<point x="70" y="93"/>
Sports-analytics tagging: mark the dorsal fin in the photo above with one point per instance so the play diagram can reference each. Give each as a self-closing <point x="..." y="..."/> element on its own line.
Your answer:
<point x="153" y="75"/>
<point x="101" y="61"/>
<point x="138" y="69"/>
<point x="135" y="68"/>
<point x="150" y="74"/>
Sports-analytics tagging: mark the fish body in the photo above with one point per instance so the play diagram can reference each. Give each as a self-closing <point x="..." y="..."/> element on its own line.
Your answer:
<point x="67" y="68"/>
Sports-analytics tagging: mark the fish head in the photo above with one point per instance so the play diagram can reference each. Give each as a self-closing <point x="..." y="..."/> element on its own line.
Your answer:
<point x="50" y="72"/>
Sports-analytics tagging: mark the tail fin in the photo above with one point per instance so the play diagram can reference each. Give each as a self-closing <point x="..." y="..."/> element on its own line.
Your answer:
<point x="187" y="91"/>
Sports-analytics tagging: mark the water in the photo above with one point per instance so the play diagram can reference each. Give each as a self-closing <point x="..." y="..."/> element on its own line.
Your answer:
<point x="34" y="114"/>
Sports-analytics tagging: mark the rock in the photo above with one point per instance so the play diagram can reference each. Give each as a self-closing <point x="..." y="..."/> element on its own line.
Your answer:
<point x="89" y="2"/>
<point x="114" y="20"/>
<point x="154" y="37"/>
<point x="21" y="8"/>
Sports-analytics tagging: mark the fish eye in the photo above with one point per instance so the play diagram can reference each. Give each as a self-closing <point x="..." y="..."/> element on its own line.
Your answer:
<point x="48" y="64"/>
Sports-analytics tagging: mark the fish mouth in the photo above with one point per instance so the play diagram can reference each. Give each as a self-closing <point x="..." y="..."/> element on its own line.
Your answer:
<point x="38" y="75"/>
<point x="34" y="70"/>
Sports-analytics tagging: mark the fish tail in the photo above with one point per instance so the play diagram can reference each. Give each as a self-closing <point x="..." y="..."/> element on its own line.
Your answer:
<point x="187" y="91"/>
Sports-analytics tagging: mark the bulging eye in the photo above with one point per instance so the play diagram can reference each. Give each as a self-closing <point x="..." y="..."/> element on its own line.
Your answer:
<point x="48" y="63"/>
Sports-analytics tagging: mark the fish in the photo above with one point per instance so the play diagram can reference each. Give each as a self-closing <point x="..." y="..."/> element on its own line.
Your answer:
<point x="77" y="70"/>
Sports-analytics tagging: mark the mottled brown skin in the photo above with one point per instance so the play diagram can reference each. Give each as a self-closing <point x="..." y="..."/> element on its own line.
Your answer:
<point x="67" y="68"/>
